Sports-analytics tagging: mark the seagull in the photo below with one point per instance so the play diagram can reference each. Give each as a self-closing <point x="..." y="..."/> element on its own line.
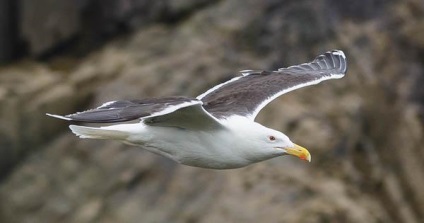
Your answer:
<point x="217" y="129"/>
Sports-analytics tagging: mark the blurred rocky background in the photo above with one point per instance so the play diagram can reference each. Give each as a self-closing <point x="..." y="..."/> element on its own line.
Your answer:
<point x="365" y="131"/>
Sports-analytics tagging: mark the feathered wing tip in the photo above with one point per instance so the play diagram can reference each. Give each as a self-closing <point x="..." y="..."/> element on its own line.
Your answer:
<point x="98" y="133"/>
<point x="333" y="61"/>
<point x="58" y="116"/>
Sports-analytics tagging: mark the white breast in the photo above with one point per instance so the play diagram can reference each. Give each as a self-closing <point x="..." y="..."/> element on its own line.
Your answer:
<point x="218" y="149"/>
<point x="207" y="149"/>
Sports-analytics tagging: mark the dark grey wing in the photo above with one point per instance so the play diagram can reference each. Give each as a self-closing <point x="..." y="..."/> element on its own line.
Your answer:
<point x="179" y="112"/>
<point x="121" y="111"/>
<point x="246" y="95"/>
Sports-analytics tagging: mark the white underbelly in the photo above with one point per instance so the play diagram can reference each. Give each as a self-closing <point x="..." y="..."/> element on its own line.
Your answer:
<point x="207" y="149"/>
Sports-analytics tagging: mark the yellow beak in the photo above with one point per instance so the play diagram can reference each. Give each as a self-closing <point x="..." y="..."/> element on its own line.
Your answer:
<point x="300" y="152"/>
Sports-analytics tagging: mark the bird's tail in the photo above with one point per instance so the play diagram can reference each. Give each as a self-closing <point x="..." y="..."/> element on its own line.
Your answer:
<point x="98" y="133"/>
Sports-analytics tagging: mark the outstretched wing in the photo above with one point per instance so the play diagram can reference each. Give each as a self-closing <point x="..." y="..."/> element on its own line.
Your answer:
<point x="246" y="95"/>
<point x="168" y="111"/>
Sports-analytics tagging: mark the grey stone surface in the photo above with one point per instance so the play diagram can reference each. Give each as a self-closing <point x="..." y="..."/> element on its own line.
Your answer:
<point x="8" y="29"/>
<point x="46" y="23"/>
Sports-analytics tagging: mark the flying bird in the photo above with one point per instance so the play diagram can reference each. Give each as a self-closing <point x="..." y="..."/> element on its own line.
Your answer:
<point x="217" y="129"/>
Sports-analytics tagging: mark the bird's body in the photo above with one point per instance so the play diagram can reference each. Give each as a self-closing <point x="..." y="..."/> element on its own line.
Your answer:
<point x="217" y="129"/>
<point x="230" y="146"/>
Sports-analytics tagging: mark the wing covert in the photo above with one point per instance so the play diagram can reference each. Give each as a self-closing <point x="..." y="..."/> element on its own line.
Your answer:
<point x="246" y="95"/>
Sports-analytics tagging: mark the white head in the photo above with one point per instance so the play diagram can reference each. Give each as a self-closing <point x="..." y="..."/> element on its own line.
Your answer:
<point x="261" y="143"/>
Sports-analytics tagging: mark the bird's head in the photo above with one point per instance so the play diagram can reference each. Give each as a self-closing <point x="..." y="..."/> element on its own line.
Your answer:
<point x="280" y="142"/>
<point x="257" y="142"/>
<point x="273" y="143"/>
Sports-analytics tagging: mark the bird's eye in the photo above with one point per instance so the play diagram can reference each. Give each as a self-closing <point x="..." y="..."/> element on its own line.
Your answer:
<point x="272" y="138"/>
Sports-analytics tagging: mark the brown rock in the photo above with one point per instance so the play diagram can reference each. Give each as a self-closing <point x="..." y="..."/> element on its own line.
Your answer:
<point x="46" y="23"/>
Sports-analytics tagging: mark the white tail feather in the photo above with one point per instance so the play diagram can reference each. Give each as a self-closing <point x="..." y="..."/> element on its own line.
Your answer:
<point x="98" y="133"/>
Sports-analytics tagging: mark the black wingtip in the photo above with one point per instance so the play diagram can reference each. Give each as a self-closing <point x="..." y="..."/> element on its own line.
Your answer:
<point x="334" y="59"/>
<point x="59" y="117"/>
<point x="338" y="53"/>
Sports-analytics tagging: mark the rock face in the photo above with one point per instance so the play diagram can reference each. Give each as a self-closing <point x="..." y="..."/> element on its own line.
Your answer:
<point x="42" y="28"/>
<point x="365" y="131"/>
<point x="46" y="23"/>
<point x="7" y="30"/>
